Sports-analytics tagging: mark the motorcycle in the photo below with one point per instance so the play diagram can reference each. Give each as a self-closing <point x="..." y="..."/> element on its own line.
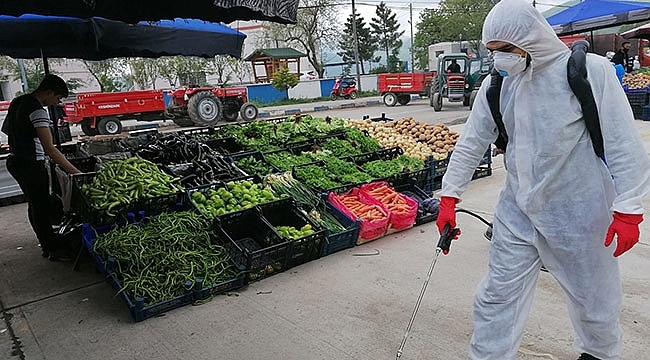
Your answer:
<point x="345" y="88"/>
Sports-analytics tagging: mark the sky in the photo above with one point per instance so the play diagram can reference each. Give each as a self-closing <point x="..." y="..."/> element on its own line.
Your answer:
<point x="401" y="8"/>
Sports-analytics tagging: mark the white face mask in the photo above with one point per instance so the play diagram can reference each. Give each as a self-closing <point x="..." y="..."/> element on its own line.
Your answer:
<point x="508" y="64"/>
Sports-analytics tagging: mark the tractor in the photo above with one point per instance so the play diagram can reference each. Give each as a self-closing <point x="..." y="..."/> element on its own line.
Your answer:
<point x="457" y="76"/>
<point x="205" y="106"/>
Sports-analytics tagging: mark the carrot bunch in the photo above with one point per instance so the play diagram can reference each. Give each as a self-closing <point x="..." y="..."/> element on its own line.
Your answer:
<point x="366" y="212"/>
<point x="394" y="201"/>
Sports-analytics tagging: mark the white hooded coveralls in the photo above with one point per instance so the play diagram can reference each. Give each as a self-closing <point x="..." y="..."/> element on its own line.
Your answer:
<point x="558" y="198"/>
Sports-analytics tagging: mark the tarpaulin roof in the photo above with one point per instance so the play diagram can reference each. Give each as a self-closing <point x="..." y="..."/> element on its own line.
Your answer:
<point x="641" y="32"/>
<point x="32" y="36"/>
<point x="133" y="11"/>
<point x="591" y="15"/>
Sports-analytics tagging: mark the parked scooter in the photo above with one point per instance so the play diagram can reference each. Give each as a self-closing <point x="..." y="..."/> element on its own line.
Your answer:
<point x="345" y="88"/>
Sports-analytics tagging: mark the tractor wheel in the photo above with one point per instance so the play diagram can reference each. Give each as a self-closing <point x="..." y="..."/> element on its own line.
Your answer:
<point x="437" y="101"/>
<point x="183" y="121"/>
<point x="230" y="116"/>
<point x="472" y="98"/>
<point x="432" y="91"/>
<point x="404" y="99"/>
<point x="109" y="126"/>
<point x="248" y="112"/>
<point x="466" y="100"/>
<point x="204" y="108"/>
<point x="390" y="99"/>
<point x="87" y="129"/>
<point x="353" y="95"/>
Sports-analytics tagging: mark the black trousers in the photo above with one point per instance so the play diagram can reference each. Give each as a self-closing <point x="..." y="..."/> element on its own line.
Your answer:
<point x="31" y="176"/>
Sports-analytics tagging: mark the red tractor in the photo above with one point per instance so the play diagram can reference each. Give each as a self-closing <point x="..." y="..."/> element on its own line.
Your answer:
<point x="101" y="113"/>
<point x="205" y="106"/>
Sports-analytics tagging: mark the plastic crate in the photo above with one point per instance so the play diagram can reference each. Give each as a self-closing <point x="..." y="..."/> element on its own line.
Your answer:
<point x="287" y="213"/>
<point x="481" y="172"/>
<point x="344" y="239"/>
<point x="255" y="155"/>
<point x="418" y="195"/>
<point x="246" y="234"/>
<point x="137" y="309"/>
<point x="215" y="186"/>
<point x="432" y="185"/>
<point x="645" y="113"/>
<point x="437" y="167"/>
<point x="80" y="204"/>
<point x="637" y="98"/>
<point x="227" y="145"/>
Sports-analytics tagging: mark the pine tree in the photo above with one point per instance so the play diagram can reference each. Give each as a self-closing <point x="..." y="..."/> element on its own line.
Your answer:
<point x="385" y="30"/>
<point x="367" y="46"/>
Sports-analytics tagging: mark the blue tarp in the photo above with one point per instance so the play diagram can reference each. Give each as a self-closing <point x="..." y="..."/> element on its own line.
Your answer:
<point x="592" y="15"/>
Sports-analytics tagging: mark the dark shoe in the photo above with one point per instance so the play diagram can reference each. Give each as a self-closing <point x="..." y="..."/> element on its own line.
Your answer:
<point x="586" y="356"/>
<point x="61" y="255"/>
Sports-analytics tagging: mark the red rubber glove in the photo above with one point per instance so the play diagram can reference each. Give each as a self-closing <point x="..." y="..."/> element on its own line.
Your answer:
<point x="447" y="215"/>
<point x="626" y="228"/>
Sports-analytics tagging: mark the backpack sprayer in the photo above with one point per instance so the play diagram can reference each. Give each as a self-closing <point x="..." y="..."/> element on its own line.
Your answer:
<point x="444" y="243"/>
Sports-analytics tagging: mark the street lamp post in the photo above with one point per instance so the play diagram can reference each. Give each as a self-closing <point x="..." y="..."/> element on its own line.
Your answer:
<point x="356" y="45"/>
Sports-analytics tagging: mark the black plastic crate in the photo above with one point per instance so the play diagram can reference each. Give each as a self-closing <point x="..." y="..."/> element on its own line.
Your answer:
<point x="255" y="155"/>
<point x="420" y="196"/>
<point x="226" y="145"/>
<point x="96" y="216"/>
<point x="343" y="240"/>
<point x="241" y="279"/>
<point x="246" y="234"/>
<point x="432" y="185"/>
<point x="287" y="213"/>
<point x="481" y="172"/>
<point x="637" y="98"/>
<point x="85" y="164"/>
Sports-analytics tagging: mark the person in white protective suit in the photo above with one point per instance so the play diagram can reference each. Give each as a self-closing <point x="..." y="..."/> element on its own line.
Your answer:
<point x="561" y="205"/>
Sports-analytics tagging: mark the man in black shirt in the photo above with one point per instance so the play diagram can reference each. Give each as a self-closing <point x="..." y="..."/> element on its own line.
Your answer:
<point x="30" y="140"/>
<point x="622" y="57"/>
<point x="454" y="67"/>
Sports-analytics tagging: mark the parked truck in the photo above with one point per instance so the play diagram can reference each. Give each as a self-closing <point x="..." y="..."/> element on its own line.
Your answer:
<point x="102" y="113"/>
<point x="397" y="88"/>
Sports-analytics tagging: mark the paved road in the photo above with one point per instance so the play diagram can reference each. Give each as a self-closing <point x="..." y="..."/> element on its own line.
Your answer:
<point x="452" y="113"/>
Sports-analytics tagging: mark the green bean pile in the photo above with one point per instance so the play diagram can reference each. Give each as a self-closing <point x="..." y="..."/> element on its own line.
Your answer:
<point x="120" y="182"/>
<point x="157" y="256"/>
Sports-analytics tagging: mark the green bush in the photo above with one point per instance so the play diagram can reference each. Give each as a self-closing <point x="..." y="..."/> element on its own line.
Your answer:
<point x="283" y="79"/>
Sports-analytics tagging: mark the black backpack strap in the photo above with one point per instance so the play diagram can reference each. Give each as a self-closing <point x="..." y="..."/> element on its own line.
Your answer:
<point x="577" y="76"/>
<point x="493" y="96"/>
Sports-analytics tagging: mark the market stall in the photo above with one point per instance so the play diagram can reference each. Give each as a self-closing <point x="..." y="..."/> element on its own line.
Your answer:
<point x="177" y="218"/>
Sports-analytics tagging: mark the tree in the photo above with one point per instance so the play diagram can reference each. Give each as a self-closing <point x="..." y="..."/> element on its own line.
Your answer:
<point x="144" y="72"/>
<point x="455" y="20"/>
<point x="385" y="30"/>
<point x="182" y="70"/>
<point x="313" y="32"/>
<point x="106" y="73"/>
<point x="34" y="73"/>
<point x="222" y="66"/>
<point x="283" y="79"/>
<point x="367" y="46"/>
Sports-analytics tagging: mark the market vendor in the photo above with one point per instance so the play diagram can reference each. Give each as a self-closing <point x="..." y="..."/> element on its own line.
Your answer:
<point x="27" y="126"/>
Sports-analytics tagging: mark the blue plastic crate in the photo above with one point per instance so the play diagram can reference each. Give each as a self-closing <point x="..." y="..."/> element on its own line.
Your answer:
<point x="344" y="239"/>
<point x="645" y="113"/>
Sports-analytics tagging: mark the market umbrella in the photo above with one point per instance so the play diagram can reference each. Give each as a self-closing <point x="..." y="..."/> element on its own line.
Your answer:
<point x="590" y="15"/>
<point x="133" y="11"/>
<point x="641" y="32"/>
<point x="32" y="36"/>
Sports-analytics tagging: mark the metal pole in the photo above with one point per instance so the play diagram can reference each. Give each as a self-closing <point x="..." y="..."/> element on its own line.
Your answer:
<point x="23" y="76"/>
<point x="356" y="45"/>
<point x="411" y="22"/>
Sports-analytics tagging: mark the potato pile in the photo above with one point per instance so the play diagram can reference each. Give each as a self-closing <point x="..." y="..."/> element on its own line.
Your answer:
<point x="636" y="81"/>
<point x="416" y="138"/>
<point x="389" y="137"/>
<point x="439" y="138"/>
